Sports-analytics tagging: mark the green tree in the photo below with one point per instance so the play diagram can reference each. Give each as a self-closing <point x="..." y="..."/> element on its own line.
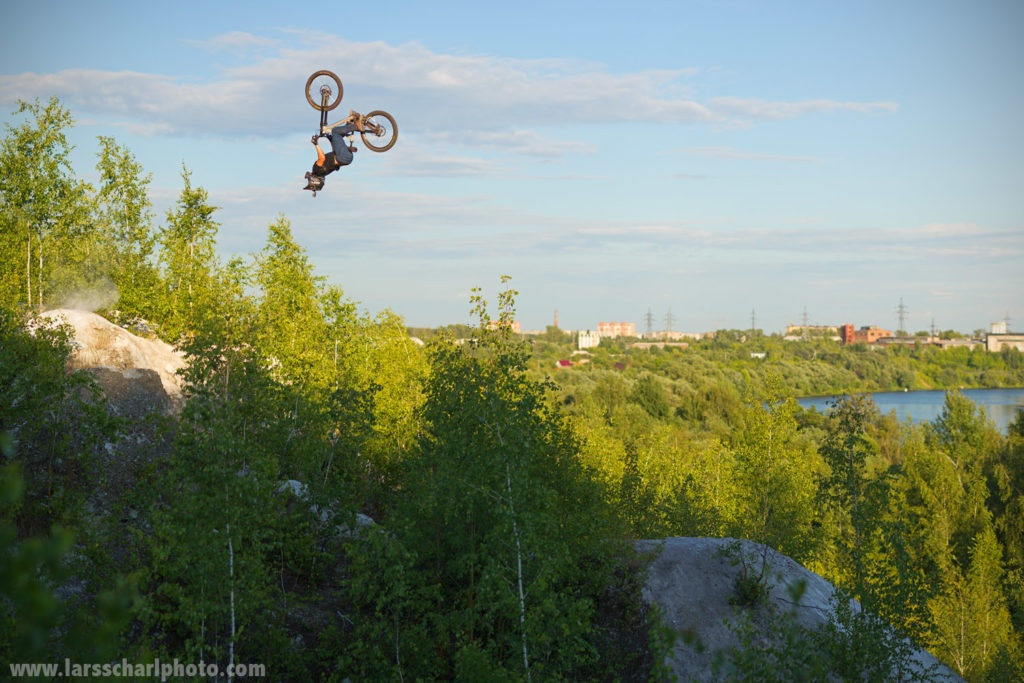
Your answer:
<point x="125" y="213"/>
<point x="395" y="368"/>
<point x="846" y="450"/>
<point x="510" y="541"/>
<point x="971" y="619"/>
<point x="189" y="263"/>
<point x="964" y="437"/>
<point x="650" y="394"/>
<point x="291" y="324"/>
<point x="37" y="624"/>
<point x="774" y="471"/>
<point x="54" y="416"/>
<point x="43" y="209"/>
<point x="228" y="552"/>
<point x="1006" y="482"/>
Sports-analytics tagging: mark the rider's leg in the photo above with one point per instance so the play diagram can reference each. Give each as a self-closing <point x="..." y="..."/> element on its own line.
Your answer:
<point x="340" y="144"/>
<point x="354" y="118"/>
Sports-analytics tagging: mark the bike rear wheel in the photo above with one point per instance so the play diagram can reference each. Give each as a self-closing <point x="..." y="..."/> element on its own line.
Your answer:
<point x="383" y="131"/>
<point x="322" y="83"/>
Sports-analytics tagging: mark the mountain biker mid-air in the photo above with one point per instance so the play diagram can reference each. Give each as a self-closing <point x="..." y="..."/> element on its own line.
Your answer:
<point x="340" y="154"/>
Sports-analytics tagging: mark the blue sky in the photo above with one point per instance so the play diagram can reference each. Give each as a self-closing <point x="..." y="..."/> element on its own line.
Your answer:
<point x="717" y="160"/>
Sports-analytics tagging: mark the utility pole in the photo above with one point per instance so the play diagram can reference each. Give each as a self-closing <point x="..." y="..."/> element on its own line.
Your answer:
<point x="753" y="321"/>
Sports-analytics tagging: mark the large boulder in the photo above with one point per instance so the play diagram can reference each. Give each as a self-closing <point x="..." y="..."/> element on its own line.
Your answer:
<point x="692" y="582"/>
<point x="138" y="375"/>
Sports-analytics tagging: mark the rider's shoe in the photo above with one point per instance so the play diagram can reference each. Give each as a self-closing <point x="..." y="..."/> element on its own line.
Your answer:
<point x="357" y="119"/>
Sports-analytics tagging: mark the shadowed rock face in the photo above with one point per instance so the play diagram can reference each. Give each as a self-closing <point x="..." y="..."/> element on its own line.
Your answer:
<point x="692" y="580"/>
<point x="137" y="375"/>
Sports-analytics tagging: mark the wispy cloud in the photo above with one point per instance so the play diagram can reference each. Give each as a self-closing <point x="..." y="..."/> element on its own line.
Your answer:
<point x="489" y="101"/>
<point x="951" y="229"/>
<point x="752" y="109"/>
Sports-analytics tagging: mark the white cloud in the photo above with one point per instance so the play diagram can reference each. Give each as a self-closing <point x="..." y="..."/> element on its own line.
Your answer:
<point x="762" y="110"/>
<point x="950" y="229"/>
<point x="490" y="101"/>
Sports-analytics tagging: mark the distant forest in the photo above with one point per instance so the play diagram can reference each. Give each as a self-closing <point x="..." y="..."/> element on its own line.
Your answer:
<point x="337" y="501"/>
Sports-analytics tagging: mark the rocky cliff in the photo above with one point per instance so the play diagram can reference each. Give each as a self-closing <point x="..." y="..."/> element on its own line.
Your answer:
<point x="692" y="582"/>
<point x="138" y="375"/>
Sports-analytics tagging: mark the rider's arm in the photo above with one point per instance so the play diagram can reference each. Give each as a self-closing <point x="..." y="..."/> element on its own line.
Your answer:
<point x="319" y="156"/>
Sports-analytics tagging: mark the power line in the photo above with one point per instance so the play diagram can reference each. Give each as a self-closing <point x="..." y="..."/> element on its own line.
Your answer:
<point x="902" y="312"/>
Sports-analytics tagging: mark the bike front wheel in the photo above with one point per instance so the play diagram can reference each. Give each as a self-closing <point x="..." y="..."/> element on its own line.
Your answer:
<point x="381" y="131"/>
<point x="323" y="90"/>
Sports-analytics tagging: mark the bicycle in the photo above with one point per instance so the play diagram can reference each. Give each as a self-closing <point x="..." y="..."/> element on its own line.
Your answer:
<point x="377" y="129"/>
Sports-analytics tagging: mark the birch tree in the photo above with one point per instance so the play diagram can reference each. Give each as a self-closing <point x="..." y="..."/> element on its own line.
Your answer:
<point x="124" y="212"/>
<point x="42" y="205"/>
<point x="189" y="262"/>
<point x="510" y="540"/>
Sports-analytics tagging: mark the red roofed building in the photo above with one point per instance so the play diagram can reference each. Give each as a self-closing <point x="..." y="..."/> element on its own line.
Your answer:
<point x="865" y="335"/>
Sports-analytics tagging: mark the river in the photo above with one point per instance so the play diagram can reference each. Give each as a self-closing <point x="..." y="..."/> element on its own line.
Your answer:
<point x="1001" y="405"/>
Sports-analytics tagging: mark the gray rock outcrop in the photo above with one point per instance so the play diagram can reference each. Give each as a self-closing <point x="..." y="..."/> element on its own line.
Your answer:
<point x="692" y="581"/>
<point x="138" y="375"/>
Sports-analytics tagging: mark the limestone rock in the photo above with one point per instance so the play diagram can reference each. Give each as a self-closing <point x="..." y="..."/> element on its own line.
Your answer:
<point x="137" y="375"/>
<point x="691" y="581"/>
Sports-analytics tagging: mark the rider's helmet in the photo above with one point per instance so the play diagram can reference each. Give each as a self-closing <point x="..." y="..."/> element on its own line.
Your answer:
<point x="313" y="182"/>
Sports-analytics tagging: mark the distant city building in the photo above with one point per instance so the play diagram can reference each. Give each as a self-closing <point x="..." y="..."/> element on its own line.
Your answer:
<point x="616" y="330"/>
<point x="1000" y="338"/>
<point x="658" y="344"/>
<point x="514" y="325"/>
<point x="671" y="335"/>
<point x="865" y="335"/>
<point x="588" y="340"/>
<point x="803" y="331"/>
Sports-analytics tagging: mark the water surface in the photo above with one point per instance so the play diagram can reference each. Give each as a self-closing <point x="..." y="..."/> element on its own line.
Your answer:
<point x="1001" y="405"/>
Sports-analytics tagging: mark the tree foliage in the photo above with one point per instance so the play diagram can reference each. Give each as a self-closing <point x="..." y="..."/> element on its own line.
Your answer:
<point x="43" y="210"/>
<point x="497" y="518"/>
<point x="504" y="491"/>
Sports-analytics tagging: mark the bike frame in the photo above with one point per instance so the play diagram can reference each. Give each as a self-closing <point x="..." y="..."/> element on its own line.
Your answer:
<point x="365" y="124"/>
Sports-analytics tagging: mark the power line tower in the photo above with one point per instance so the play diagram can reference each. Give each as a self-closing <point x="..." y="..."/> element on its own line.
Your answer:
<point x="669" y="320"/>
<point x="805" y="318"/>
<point x="649" y="319"/>
<point x="753" y="321"/>
<point x="902" y="312"/>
